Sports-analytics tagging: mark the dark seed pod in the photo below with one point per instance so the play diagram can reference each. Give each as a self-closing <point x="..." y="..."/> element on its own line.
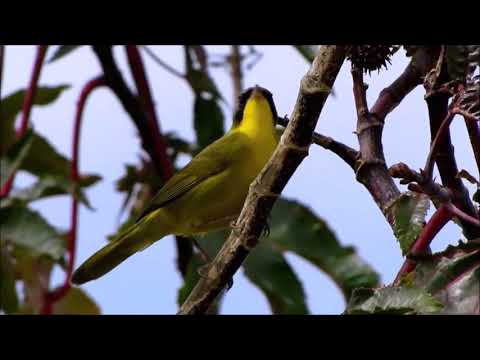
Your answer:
<point x="371" y="57"/>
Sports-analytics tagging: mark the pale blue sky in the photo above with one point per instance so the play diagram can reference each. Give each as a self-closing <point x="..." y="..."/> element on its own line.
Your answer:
<point x="147" y="283"/>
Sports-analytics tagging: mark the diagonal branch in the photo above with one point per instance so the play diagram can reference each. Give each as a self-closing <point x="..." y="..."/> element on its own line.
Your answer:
<point x="292" y="149"/>
<point x="345" y="152"/>
<point x="144" y="117"/>
<point x="371" y="169"/>
<point x="474" y="134"/>
<point x="444" y="155"/>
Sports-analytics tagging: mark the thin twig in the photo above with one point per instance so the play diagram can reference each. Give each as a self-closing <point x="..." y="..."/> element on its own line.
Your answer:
<point x="235" y="60"/>
<point x="60" y="292"/>
<point x="438" y="220"/>
<point x="434" y="147"/>
<point x="442" y="151"/>
<point x="139" y="75"/>
<point x="345" y="152"/>
<point x="163" y="64"/>
<point x="314" y="90"/>
<point x="27" y="107"/>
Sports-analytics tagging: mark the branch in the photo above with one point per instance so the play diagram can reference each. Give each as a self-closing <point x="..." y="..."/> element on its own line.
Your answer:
<point x="371" y="169"/>
<point x="438" y="220"/>
<point x="163" y="64"/>
<point x="345" y="152"/>
<point x="474" y="134"/>
<point x="235" y="60"/>
<point x="443" y="153"/>
<point x="130" y="103"/>
<point x="60" y="292"/>
<point x="159" y="144"/>
<point x="27" y="106"/>
<point x="292" y="149"/>
<point x="142" y="114"/>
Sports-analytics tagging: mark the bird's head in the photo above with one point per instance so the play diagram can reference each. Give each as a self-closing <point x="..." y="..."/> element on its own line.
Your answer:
<point x="255" y="103"/>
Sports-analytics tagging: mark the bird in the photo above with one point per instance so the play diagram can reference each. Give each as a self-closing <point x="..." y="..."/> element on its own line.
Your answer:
<point x="207" y="194"/>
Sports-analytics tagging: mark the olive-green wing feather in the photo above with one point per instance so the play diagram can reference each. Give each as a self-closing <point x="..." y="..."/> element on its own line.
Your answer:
<point x="211" y="161"/>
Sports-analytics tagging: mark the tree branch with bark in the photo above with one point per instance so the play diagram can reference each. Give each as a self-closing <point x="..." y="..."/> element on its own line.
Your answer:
<point x="292" y="149"/>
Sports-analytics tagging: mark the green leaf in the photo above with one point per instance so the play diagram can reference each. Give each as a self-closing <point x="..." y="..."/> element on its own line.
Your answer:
<point x="476" y="196"/>
<point x="43" y="160"/>
<point x="61" y="51"/>
<point x="29" y="230"/>
<point x="46" y="186"/>
<point x="12" y="105"/>
<point x="457" y="61"/>
<point x="453" y="277"/>
<point x="208" y="121"/>
<point x="269" y="270"/>
<point x="8" y="293"/>
<point x="76" y="302"/>
<point x="410" y="210"/>
<point x="14" y="157"/>
<point x="294" y="227"/>
<point x="392" y="300"/>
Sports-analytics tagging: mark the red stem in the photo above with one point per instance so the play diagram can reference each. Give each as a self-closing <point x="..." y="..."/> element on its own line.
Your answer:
<point x="60" y="292"/>
<point x="438" y="220"/>
<point x="27" y="107"/>
<point x="160" y="146"/>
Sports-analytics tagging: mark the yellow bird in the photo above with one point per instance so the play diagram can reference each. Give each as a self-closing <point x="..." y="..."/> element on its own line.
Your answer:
<point x="207" y="194"/>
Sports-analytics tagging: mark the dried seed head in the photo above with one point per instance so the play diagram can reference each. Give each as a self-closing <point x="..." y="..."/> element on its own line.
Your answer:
<point x="371" y="57"/>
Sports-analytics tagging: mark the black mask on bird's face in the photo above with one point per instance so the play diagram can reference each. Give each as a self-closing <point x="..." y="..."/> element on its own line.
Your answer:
<point x="248" y="94"/>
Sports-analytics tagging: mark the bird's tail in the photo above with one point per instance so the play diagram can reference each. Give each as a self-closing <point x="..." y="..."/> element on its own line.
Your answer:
<point x="136" y="238"/>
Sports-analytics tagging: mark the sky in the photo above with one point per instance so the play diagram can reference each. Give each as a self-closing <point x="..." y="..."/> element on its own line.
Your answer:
<point x="147" y="283"/>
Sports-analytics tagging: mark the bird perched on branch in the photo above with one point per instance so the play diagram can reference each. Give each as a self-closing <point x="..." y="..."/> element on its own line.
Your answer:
<point x="207" y="194"/>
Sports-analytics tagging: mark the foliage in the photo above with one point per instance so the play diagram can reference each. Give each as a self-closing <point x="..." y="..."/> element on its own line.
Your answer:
<point x="31" y="247"/>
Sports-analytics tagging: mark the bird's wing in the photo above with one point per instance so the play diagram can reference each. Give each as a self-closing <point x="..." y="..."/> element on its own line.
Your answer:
<point x="211" y="161"/>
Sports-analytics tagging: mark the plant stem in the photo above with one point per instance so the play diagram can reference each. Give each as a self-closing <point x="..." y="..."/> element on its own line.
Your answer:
<point x="236" y="71"/>
<point x="163" y="64"/>
<point x="160" y="146"/>
<point x="27" y="107"/>
<point x="61" y="291"/>
<point x="438" y="220"/>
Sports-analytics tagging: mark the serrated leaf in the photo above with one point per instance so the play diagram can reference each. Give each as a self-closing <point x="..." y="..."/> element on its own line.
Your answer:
<point x="76" y="302"/>
<point x="294" y="227"/>
<point x="43" y="160"/>
<point x="476" y="196"/>
<point x="61" y="51"/>
<point x="15" y="156"/>
<point x="453" y="277"/>
<point x="8" y="293"/>
<point x="47" y="186"/>
<point x="35" y="274"/>
<point x="392" y="300"/>
<point x="208" y="121"/>
<point x="457" y="61"/>
<point x="410" y="210"/>
<point x="269" y="270"/>
<point x="12" y="106"/>
<point x="27" y="229"/>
